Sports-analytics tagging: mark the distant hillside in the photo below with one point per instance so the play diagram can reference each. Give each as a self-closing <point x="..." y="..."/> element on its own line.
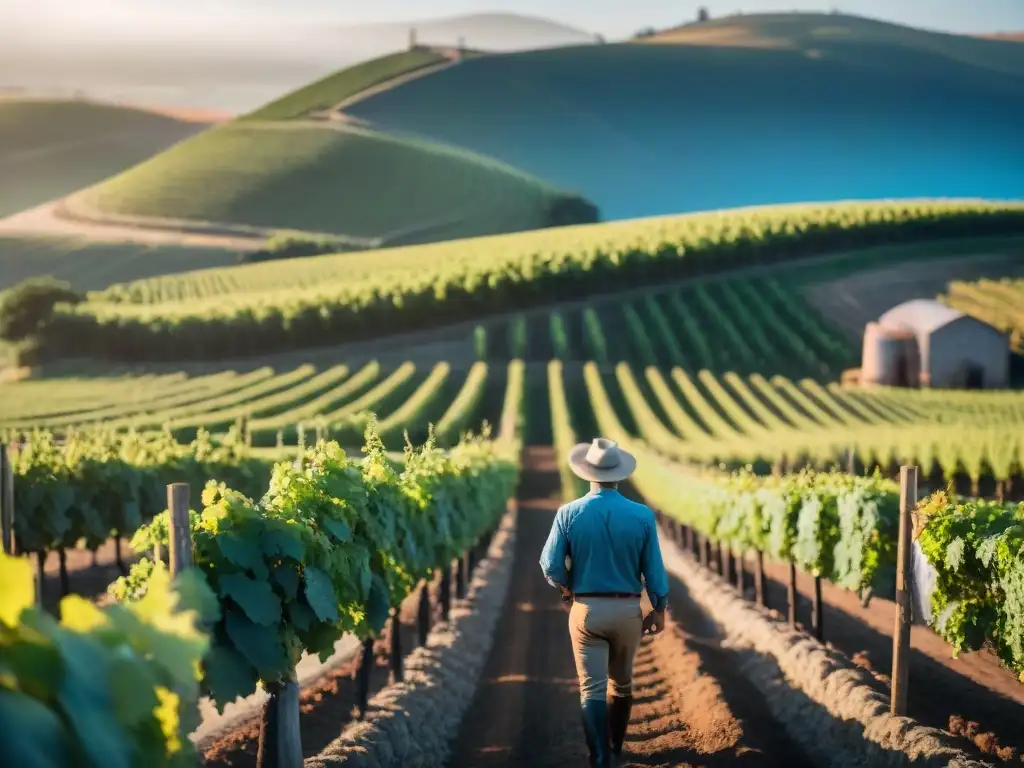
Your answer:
<point x="740" y="111"/>
<point x="338" y="86"/>
<point x="852" y="37"/>
<point x="53" y="148"/>
<point x="280" y="170"/>
<point x="483" y="31"/>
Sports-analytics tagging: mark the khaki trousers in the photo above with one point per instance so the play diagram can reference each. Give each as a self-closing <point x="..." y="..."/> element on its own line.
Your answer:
<point x="605" y="633"/>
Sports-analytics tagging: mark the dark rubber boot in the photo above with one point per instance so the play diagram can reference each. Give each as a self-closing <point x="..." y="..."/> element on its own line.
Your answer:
<point x="595" y="725"/>
<point x="618" y="720"/>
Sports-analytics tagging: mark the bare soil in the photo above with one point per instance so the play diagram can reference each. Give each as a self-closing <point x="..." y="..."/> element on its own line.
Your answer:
<point x="690" y="706"/>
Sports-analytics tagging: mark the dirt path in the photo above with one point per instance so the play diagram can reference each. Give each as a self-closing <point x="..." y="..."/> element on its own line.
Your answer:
<point x="45" y="221"/>
<point x="395" y="82"/>
<point x="690" y="708"/>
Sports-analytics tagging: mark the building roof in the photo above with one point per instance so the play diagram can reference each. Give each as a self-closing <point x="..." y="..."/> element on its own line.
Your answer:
<point x="920" y="316"/>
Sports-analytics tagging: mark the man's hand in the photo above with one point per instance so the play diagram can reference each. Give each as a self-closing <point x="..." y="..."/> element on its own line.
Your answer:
<point x="654" y="623"/>
<point x="566" y="595"/>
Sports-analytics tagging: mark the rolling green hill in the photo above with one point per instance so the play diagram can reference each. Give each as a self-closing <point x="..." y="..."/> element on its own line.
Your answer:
<point x="55" y="147"/>
<point x="279" y="168"/>
<point x="750" y="110"/>
<point x="329" y="177"/>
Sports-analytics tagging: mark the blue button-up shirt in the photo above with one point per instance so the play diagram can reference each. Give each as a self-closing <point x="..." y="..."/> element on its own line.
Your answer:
<point x="612" y="542"/>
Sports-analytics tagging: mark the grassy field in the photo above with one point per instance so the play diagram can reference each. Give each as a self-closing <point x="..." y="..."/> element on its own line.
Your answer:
<point x="800" y="107"/>
<point x="93" y="266"/>
<point x="330" y="178"/>
<point x="56" y="147"/>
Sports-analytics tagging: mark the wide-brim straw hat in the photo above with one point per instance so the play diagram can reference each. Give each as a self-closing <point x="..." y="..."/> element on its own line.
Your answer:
<point x="601" y="461"/>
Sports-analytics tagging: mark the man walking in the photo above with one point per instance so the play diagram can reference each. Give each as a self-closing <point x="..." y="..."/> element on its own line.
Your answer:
<point x="599" y="547"/>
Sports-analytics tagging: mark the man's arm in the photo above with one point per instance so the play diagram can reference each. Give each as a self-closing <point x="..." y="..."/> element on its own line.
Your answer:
<point x="552" y="558"/>
<point x="653" y="569"/>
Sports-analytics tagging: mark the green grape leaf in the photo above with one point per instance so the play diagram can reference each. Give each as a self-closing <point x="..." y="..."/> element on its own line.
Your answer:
<point x="278" y="541"/>
<point x="131" y="688"/>
<point x="337" y="528"/>
<point x="34" y="734"/>
<point x="377" y="605"/>
<point x="260" y="645"/>
<point x="35" y="662"/>
<point x="195" y="594"/>
<point x="256" y="598"/>
<point x="301" y="616"/>
<point x="320" y="593"/>
<point x="287" y="577"/>
<point x="227" y="675"/>
<point x="320" y="640"/>
<point x="955" y="554"/>
<point x="240" y="551"/>
<point x="86" y="701"/>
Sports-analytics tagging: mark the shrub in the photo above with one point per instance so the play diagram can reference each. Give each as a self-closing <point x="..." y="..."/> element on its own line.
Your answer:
<point x="26" y="308"/>
<point x="566" y="210"/>
<point x="294" y="246"/>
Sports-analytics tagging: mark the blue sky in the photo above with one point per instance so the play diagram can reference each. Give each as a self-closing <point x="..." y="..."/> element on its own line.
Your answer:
<point x="613" y="18"/>
<point x="616" y="17"/>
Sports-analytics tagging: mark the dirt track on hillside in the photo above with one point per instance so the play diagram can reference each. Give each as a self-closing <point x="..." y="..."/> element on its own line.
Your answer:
<point x="44" y="221"/>
<point x="690" y="708"/>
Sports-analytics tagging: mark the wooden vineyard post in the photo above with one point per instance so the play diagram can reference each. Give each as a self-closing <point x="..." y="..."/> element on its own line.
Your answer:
<point x="180" y="549"/>
<point x="759" y="577"/>
<point x="363" y="678"/>
<point x="423" y="614"/>
<point x="851" y="461"/>
<point x="395" y="649"/>
<point x="445" y="598"/>
<point x="703" y="545"/>
<point x="818" y="612"/>
<point x="7" y="500"/>
<point x="792" y="594"/>
<point x="741" y="571"/>
<point x="460" y="578"/>
<point x="280" y="744"/>
<point x="904" y="586"/>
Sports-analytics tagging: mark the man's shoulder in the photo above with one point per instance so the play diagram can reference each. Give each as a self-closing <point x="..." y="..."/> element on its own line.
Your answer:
<point x="639" y="511"/>
<point x="570" y="507"/>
